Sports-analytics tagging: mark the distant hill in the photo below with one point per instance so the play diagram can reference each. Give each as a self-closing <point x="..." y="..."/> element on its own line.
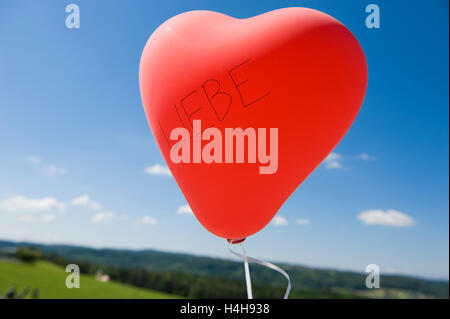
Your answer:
<point x="49" y="280"/>
<point x="303" y="278"/>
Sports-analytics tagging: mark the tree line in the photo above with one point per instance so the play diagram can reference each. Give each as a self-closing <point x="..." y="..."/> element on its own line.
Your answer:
<point x="189" y="285"/>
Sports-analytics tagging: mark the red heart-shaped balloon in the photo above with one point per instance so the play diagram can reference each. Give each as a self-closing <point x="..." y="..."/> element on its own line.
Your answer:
<point x="295" y="69"/>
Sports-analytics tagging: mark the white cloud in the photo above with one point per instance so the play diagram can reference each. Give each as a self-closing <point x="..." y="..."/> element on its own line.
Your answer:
<point x="280" y="221"/>
<point x="48" y="218"/>
<point x="24" y="204"/>
<point x="35" y="160"/>
<point x="389" y="217"/>
<point x="103" y="217"/>
<point x="158" y="170"/>
<point x="148" y="220"/>
<point x="366" y="157"/>
<point x="184" y="210"/>
<point x="86" y="201"/>
<point x="26" y="218"/>
<point x="333" y="161"/>
<point x="302" y="221"/>
<point x="49" y="170"/>
<point x="52" y="170"/>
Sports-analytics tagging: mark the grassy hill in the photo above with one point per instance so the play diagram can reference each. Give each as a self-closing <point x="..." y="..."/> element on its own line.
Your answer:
<point x="167" y="270"/>
<point x="50" y="280"/>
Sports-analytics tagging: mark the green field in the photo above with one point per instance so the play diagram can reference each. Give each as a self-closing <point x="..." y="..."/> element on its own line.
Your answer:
<point x="50" y="280"/>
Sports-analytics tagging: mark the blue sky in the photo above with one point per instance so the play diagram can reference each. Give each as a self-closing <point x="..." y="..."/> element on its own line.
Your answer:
<point x="75" y="144"/>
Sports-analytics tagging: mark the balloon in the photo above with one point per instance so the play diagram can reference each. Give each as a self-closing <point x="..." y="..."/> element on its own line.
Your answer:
<point x="296" y="70"/>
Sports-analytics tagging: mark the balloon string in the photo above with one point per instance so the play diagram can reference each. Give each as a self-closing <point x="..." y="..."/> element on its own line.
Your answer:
<point x="248" y="259"/>
<point x="247" y="274"/>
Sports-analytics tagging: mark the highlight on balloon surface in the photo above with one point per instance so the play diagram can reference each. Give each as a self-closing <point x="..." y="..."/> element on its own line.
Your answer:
<point x="243" y="110"/>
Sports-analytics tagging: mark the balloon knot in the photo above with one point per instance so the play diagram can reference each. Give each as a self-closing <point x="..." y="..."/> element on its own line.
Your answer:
<point x="236" y="241"/>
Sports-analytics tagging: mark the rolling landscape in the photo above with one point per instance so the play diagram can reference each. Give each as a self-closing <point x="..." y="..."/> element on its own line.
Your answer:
<point x="156" y="274"/>
<point x="46" y="280"/>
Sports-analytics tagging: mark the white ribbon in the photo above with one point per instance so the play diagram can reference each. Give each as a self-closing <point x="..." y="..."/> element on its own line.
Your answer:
<point x="247" y="259"/>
